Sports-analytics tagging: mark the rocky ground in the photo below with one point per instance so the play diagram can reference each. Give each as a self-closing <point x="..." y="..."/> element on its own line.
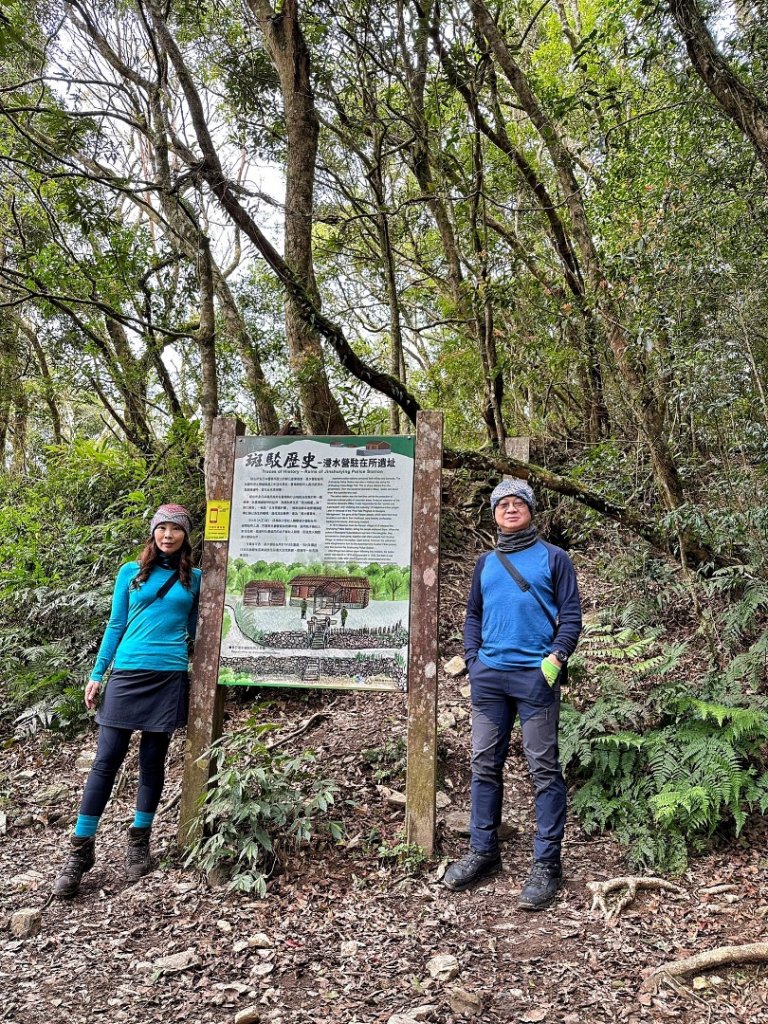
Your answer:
<point x="348" y="932"/>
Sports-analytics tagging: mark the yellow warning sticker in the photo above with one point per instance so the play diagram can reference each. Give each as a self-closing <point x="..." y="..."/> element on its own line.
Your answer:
<point x="217" y="520"/>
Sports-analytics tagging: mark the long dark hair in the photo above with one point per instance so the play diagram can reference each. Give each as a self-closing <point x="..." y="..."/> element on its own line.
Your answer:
<point x="150" y="555"/>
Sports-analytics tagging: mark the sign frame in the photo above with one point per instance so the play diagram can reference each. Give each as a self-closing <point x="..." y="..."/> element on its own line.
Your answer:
<point x="206" y="712"/>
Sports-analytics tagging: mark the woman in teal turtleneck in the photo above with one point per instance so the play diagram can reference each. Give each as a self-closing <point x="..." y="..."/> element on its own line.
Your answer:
<point x="154" y="615"/>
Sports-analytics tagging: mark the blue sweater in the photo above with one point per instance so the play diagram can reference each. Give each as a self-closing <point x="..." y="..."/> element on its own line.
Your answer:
<point x="154" y="636"/>
<point x="506" y="628"/>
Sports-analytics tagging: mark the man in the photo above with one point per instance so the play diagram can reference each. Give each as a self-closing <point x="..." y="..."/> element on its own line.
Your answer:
<point x="523" y="622"/>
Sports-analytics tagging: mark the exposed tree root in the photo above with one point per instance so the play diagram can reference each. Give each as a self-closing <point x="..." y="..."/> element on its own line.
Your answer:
<point x="600" y="891"/>
<point x="304" y="727"/>
<point x="721" y="956"/>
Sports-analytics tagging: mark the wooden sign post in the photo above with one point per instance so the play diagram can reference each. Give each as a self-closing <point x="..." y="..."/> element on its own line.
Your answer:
<point x="421" y="779"/>
<point x="206" y="697"/>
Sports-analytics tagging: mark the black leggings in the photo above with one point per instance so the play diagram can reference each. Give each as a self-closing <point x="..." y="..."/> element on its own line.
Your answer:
<point x="110" y="754"/>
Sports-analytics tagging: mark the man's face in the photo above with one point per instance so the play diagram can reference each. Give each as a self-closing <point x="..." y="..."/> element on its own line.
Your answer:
<point x="512" y="515"/>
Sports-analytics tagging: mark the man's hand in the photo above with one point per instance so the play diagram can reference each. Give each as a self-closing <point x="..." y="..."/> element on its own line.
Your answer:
<point x="551" y="666"/>
<point x="91" y="694"/>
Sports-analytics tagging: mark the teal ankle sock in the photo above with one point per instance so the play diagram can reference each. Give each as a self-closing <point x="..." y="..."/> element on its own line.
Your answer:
<point x="86" y="825"/>
<point x="143" y="819"/>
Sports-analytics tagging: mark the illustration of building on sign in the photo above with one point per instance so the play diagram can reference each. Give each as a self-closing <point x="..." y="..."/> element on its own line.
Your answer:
<point x="264" y="593"/>
<point x="329" y="593"/>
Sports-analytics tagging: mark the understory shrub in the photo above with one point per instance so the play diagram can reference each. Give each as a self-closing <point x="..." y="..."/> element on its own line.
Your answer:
<point x="662" y="769"/>
<point x="260" y="803"/>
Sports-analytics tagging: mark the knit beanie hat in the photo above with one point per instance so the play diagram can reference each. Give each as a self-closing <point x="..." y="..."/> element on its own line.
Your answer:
<point x="171" y="514"/>
<point x="513" y="489"/>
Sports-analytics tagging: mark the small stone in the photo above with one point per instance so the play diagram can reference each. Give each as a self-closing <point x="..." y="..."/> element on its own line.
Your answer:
<point x="455" y="667"/>
<point x="28" y="879"/>
<point x="260" y="941"/>
<point x="250" y="1015"/>
<point x="51" y="794"/>
<point x="23" y="820"/>
<point x="446" y="720"/>
<point x="176" y="962"/>
<point x="224" y="926"/>
<point x="424" y="1012"/>
<point x="349" y="948"/>
<point x="442" y="800"/>
<point x="85" y="760"/>
<point x="25" y="923"/>
<point x="394" y="798"/>
<point x="469" y="1003"/>
<point x="239" y="946"/>
<point x="443" y="967"/>
<point x="218" y="876"/>
<point x="262" y="970"/>
<point x="458" y="822"/>
<point x="465" y="691"/>
<point x="700" y="982"/>
<point x="506" y="831"/>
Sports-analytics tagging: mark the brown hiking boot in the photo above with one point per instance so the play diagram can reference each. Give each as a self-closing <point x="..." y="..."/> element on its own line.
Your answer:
<point x="81" y="859"/>
<point x="137" y="859"/>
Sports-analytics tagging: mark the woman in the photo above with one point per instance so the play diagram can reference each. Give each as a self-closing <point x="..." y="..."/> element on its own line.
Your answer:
<point x="154" y="615"/>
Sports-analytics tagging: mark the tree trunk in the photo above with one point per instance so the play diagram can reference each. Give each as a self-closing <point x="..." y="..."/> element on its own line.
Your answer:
<point x="738" y="101"/>
<point x="206" y="340"/>
<point x="647" y="407"/>
<point x="289" y="53"/>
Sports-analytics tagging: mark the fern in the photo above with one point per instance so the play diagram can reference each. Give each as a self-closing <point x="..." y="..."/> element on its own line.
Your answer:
<point x="669" y="788"/>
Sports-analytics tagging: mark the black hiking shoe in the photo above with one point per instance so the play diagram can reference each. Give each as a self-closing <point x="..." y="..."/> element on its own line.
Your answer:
<point x="137" y="859"/>
<point x="81" y="859"/>
<point x="545" y="879"/>
<point x="470" y="869"/>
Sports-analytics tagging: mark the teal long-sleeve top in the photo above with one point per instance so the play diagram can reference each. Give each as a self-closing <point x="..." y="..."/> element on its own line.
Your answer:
<point x="143" y="633"/>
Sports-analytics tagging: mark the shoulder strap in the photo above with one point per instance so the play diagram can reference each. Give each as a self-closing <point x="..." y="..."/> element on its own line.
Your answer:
<point x="524" y="585"/>
<point x="155" y="597"/>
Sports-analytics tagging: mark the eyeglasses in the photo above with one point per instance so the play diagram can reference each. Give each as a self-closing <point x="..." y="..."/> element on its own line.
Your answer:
<point x="515" y="506"/>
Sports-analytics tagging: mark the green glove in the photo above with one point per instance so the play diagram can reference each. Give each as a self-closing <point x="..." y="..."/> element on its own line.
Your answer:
<point x="551" y="671"/>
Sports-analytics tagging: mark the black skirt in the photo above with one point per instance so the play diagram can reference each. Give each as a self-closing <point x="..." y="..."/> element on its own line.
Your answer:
<point x="146" y="700"/>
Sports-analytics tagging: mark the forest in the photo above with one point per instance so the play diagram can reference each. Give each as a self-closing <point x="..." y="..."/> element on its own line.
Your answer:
<point x="547" y="219"/>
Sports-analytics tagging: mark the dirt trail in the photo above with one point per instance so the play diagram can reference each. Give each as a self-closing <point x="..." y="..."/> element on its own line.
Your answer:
<point x="347" y="933"/>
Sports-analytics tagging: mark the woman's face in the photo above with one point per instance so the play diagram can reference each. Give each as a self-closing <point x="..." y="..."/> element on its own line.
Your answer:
<point x="169" y="538"/>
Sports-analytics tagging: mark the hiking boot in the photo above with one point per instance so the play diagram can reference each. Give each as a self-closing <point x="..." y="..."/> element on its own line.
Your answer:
<point x="137" y="859"/>
<point x="545" y="879"/>
<point x="81" y="859"/>
<point x="470" y="869"/>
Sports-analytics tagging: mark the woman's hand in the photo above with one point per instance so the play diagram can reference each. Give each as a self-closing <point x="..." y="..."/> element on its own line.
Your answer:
<point x="91" y="694"/>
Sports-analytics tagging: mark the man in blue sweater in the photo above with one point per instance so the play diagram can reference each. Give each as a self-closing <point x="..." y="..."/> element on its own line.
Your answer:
<point x="523" y="622"/>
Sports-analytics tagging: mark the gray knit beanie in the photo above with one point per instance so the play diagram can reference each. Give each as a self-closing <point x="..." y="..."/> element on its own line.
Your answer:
<point x="513" y="489"/>
<point x="171" y="514"/>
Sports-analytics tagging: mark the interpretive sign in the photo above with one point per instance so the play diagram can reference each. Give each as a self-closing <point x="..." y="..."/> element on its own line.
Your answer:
<point x="320" y="528"/>
<point x="319" y="563"/>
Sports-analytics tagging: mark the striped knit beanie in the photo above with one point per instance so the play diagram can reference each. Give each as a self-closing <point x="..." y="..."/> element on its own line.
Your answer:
<point x="172" y="514"/>
<point x="513" y="489"/>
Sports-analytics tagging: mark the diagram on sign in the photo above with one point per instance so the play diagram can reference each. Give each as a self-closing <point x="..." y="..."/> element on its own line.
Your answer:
<point x="318" y="577"/>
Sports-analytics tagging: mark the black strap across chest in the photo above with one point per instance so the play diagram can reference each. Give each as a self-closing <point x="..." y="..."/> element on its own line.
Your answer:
<point x="162" y="591"/>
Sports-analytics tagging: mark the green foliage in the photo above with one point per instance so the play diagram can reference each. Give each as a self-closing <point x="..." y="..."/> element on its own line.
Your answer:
<point x="408" y="856"/>
<point x="388" y="761"/>
<point x="261" y="802"/>
<point x="666" y="774"/>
